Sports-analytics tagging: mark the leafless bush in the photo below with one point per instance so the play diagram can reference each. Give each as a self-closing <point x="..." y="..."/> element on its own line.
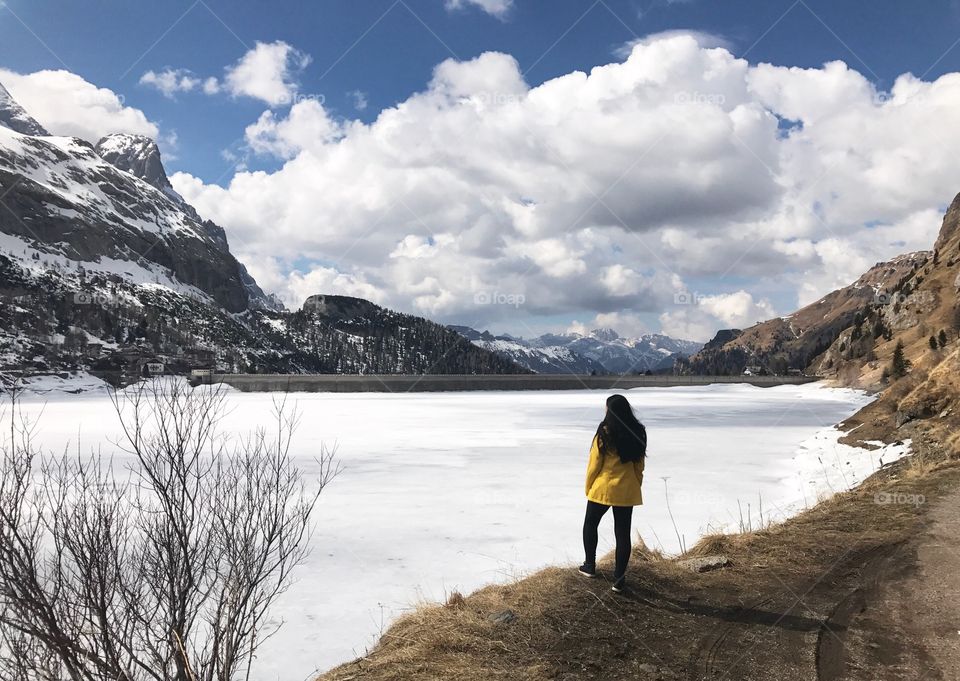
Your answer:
<point x="161" y="563"/>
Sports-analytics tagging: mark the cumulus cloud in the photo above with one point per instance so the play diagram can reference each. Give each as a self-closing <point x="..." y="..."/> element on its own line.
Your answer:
<point x="66" y="104"/>
<point x="359" y="99"/>
<point x="696" y="317"/>
<point x="703" y="38"/>
<point x="606" y="191"/>
<point x="171" y="81"/>
<point x="267" y="72"/>
<point x="497" y="8"/>
<point x="307" y="126"/>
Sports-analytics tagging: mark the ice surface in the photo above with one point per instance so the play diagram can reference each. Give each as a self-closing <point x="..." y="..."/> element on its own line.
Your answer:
<point x="451" y="491"/>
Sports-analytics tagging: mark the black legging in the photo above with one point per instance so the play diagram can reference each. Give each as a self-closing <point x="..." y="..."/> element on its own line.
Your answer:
<point x="622" y="515"/>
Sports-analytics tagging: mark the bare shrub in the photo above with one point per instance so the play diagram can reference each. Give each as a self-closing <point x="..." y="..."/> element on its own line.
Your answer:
<point x="161" y="563"/>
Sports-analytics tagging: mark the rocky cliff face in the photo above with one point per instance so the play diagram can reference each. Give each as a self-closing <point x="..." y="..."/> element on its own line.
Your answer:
<point x="799" y="341"/>
<point x="137" y="155"/>
<point x="62" y="198"/>
<point x="950" y="228"/>
<point x="13" y="116"/>
<point x="140" y="157"/>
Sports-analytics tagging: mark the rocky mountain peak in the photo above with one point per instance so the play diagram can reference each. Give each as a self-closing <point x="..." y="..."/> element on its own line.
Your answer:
<point x="13" y="116"/>
<point x="340" y="307"/>
<point x="951" y="224"/>
<point x="605" y="334"/>
<point x="137" y="155"/>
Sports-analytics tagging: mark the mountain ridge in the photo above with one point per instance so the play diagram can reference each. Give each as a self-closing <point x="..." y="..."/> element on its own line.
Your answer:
<point x="601" y="351"/>
<point x="105" y="268"/>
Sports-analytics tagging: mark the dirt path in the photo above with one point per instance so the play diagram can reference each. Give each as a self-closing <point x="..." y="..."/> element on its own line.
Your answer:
<point x="888" y="613"/>
<point x="904" y="622"/>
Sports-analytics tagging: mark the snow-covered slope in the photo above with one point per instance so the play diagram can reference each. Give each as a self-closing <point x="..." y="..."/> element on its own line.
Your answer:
<point x="137" y="155"/>
<point x="13" y="116"/>
<point x="601" y="351"/>
<point x="62" y="198"/>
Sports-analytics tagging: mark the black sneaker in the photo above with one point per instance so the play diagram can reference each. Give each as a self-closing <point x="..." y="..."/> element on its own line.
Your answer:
<point x="588" y="570"/>
<point x="619" y="585"/>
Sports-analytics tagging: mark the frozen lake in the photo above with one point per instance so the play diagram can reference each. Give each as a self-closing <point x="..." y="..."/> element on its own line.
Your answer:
<point x="450" y="491"/>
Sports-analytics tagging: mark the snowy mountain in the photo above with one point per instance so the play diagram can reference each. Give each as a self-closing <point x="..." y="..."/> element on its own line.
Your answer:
<point x="602" y="351"/>
<point x="63" y="199"/>
<point x="138" y="155"/>
<point x="104" y="267"/>
<point x="14" y="117"/>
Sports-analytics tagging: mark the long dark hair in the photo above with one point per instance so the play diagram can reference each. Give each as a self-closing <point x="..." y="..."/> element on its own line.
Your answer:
<point x="620" y="432"/>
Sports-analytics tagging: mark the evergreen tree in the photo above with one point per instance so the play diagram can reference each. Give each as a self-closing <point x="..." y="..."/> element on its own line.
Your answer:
<point x="933" y="343"/>
<point x="942" y="338"/>
<point x="900" y="364"/>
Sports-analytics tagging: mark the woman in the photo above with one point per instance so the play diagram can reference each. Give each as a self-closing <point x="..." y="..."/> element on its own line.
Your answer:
<point x="614" y="478"/>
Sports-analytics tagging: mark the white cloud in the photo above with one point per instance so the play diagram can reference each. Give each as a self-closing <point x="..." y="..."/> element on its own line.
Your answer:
<point x="604" y="191"/>
<point x="704" y="38"/>
<point x="307" y="126"/>
<point x="267" y="72"/>
<point x="66" y="104"/>
<point x="699" y="317"/>
<point x="359" y="98"/>
<point x="171" y="81"/>
<point x="415" y="246"/>
<point x="301" y="286"/>
<point x="497" y="8"/>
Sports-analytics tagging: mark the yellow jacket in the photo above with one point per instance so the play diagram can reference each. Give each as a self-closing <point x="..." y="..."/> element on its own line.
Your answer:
<point x="611" y="482"/>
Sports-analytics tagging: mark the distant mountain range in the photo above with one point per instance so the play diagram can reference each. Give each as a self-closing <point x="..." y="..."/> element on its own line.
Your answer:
<point x="105" y="268"/>
<point x="602" y="351"/>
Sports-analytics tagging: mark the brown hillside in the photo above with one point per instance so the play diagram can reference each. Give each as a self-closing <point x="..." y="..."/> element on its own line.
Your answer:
<point x="850" y="334"/>
<point x="796" y="341"/>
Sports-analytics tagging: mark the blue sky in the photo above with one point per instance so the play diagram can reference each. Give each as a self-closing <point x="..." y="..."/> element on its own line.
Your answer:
<point x="356" y="59"/>
<point x="387" y="49"/>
